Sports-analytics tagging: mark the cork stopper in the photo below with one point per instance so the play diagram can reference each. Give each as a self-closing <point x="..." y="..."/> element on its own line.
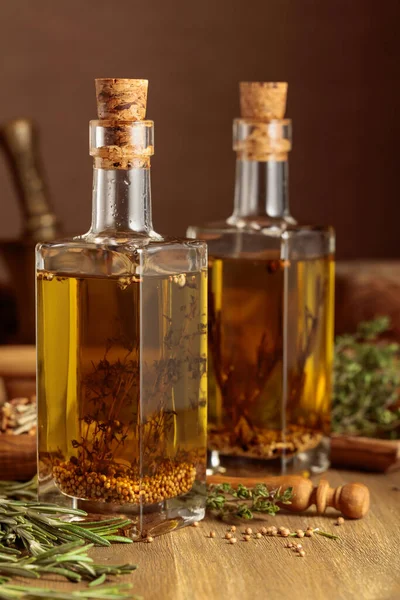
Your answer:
<point x="121" y="99"/>
<point x="263" y="101"/>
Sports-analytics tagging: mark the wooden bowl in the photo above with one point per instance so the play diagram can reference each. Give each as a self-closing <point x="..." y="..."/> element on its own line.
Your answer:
<point x="18" y="379"/>
<point x="17" y="457"/>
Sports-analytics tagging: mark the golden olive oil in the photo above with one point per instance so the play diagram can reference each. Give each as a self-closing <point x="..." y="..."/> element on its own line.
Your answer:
<point x="270" y="355"/>
<point x="122" y="376"/>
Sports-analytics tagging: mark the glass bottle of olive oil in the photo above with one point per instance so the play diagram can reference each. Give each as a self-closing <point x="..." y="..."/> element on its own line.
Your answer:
<point x="122" y="342"/>
<point x="271" y="285"/>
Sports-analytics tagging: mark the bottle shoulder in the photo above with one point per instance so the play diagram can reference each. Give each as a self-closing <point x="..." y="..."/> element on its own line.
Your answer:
<point x="121" y="255"/>
<point x="265" y="237"/>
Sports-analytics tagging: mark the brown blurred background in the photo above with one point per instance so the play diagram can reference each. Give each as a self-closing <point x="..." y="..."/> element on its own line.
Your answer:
<point x="340" y="58"/>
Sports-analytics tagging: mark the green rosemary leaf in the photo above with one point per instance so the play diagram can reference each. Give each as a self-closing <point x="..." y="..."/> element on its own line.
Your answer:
<point x="84" y="533"/>
<point x="6" y="550"/>
<point x="73" y="557"/>
<point x="105" y="522"/>
<point x="59" y="550"/>
<point x="18" y="571"/>
<point x="68" y="574"/>
<point x="98" y="581"/>
<point x="118" y="538"/>
<point x="326" y="534"/>
<point x="7" y="557"/>
<point x="107" y="592"/>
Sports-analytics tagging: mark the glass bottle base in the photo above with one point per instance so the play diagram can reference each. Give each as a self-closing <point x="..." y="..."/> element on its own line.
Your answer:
<point x="315" y="460"/>
<point x="154" y="519"/>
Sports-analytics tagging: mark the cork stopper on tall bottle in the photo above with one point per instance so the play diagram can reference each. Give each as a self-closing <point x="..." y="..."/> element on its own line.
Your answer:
<point x="121" y="138"/>
<point x="121" y="99"/>
<point x="262" y="133"/>
<point x="263" y="101"/>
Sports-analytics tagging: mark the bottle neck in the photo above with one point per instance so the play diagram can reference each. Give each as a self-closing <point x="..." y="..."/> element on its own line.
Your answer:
<point x="121" y="201"/>
<point x="261" y="189"/>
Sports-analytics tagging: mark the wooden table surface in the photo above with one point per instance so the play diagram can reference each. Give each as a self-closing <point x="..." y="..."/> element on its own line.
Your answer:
<point x="363" y="565"/>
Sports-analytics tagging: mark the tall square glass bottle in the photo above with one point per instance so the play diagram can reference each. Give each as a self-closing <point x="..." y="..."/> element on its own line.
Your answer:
<point x="271" y="286"/>
<point x="122" y="343"/>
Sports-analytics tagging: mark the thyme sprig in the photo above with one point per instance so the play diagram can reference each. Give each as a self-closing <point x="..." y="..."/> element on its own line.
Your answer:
<point x="367" y="383"/>
<point x="244" y="502"/>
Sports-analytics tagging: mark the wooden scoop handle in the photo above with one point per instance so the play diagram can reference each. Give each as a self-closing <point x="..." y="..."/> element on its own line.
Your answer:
<point x="352" y="499"/>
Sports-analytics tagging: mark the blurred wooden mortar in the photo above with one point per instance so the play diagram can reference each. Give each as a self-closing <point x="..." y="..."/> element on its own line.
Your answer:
<point x="19" y="139"/>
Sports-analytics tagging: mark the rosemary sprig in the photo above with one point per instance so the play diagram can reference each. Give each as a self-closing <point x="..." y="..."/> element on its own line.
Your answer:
<point x="35" y="541"/>
<point x="9" y="591"/>
<point x="26" y="490"/>
<point x="244" y="502"/>
<point x="68" y="560"/>
<point x="38" y="527"/>
<point x="331" y="536"/>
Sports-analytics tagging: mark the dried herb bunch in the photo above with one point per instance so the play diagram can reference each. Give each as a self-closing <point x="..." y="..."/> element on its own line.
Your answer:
<point x="128" y="451"/>
<point x="247" y="371"/>
<point x="367" y="382"/>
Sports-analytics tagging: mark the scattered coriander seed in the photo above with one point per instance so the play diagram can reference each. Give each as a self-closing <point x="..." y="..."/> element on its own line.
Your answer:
<point x="309" y="533"/>
<point x="233" y="541"/>
<point x="263" y="530"/>
<point x="149" y="539"/>
<point x="300" y="533"/>
<point x="233" y="528"/>
<point x="249" y="531"/>
<point x="285" y="532"/>
<point x="281" y="529"/>
<point x="298" y="546"/>
<point x="289" y="545"/>
<point x="258" y="535"/>
<point x="339" y="521"/>
<point x="274" y="531"/>
<point x="246" y="537"/>
<point x="302" y="553"/>
<point x="228" y="536"/>
<point x="196" y="524"/>
<point x="212" y="534"/>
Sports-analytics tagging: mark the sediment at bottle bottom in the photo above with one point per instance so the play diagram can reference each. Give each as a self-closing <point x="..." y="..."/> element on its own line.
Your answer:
<point x="171" y="479"/>
<point x="264" y="444"/>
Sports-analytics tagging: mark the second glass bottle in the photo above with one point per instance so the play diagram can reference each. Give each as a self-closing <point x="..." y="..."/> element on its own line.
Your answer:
<point x="271" y="285"/>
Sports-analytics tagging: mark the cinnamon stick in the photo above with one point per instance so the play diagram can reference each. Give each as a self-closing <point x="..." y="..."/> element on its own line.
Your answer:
<point x="366" y="454"/>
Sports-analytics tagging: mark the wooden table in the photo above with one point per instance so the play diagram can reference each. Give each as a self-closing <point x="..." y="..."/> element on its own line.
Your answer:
<point x="363" y="565"/>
